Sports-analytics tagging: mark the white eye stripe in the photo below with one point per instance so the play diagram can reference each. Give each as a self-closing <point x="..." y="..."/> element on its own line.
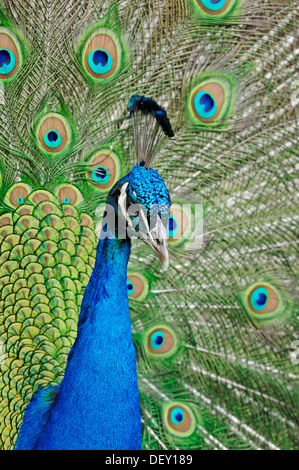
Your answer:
<point x="141" y="211"/>
<point x="142" y="215"/>
<point x="122" y="202"/>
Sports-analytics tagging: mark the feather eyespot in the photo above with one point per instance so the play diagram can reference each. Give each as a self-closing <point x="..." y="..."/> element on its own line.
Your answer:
<point x="137" y="286"/>
<point x="210" y="100"/>
<point x="104" y="169"/>
<point x="179" y="419"/>
<point x="17" y="194"/>
<point x="179" y="224"/>
<point x="216" y="7"/>
<point x="102" y="54"/>
<point x="53" y="133"/>
<point x="263" y="301"/>
<point x="10" y="54"/>
<point x="68" y="194"/>
<point x="161" y="341"/>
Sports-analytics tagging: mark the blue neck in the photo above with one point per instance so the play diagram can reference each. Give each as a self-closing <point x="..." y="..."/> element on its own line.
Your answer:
<point x="97" y="406"/>
<point x="107" y="285"/>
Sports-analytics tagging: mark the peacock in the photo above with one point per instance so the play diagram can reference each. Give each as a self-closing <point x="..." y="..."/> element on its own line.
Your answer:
<point x="148" y="262"/>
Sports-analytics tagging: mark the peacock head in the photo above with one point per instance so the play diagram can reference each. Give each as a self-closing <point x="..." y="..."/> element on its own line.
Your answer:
<point x="142" y="203"/>
<point x="138" y="205"/>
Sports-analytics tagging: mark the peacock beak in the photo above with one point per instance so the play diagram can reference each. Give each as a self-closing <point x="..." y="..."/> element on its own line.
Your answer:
<point x="156" y="238"/>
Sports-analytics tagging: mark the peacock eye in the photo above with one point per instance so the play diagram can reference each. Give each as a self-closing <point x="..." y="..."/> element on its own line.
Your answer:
<point x="179" y="420"/>
<point x="53" y="133"/>
<point x="157" y="339"/>
<point x="161" y="341"/>
<point x="210" y="100"/>
<point x="102" y="54"/>
<point x="137" y="286"/>
<point x="264" y="301"/>
<point x="100" y="61"/>
<point x="173" y="227"/>
<point x="7" y="61"/>
<point x="130" y="287"/>
<point x="216" y="7"/>
<point x="68" y="194"/>
<point x="259" y="298"/>
<point x="100" y="175"/>
<point x="17" y="194"/>
<point x="104" y="169"/>
<point x="10" y="54"/>
<point x="177" y="416"/>
<point x="205" y="104"/>
<point x="52" y="139"/>
<point x="179" y="224"/>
